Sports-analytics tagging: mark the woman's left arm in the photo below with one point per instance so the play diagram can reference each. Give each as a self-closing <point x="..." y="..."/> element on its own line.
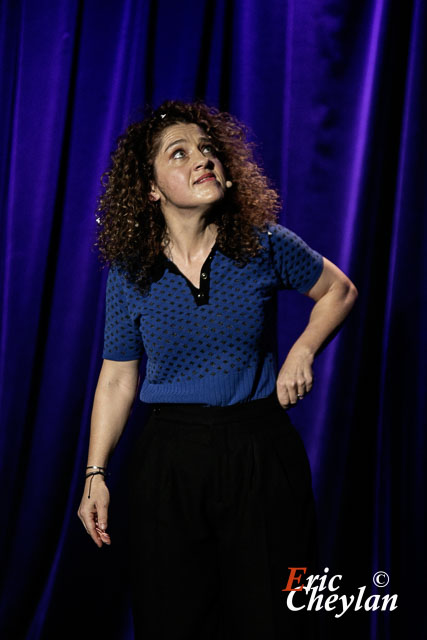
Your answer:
<point x="334" y="294"/>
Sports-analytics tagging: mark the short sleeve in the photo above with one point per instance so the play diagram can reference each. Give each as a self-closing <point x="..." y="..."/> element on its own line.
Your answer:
<point x="297" y="265"/>
<point x="122" y="336"/>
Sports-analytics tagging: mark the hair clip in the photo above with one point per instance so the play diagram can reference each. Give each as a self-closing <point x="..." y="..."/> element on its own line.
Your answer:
<point x="162" y="115"/>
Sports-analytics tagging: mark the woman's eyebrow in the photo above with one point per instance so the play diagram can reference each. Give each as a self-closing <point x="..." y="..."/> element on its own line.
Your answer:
<point x="174" y="142"/>
<point x="202" y="139"/>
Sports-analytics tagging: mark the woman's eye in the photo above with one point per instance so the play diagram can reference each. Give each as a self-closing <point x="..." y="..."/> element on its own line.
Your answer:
<point x="177" y="151"/>
<point x="207" y="149"/>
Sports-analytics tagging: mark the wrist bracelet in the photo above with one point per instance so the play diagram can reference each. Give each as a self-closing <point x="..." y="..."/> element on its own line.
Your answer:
<point x="94" y="473"/>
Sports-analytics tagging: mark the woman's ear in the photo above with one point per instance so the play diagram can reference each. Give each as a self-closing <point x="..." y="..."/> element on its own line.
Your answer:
<point x="153" y="195"/>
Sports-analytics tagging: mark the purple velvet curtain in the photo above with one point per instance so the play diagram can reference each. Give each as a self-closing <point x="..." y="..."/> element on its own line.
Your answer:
<point x="334" y="92"/>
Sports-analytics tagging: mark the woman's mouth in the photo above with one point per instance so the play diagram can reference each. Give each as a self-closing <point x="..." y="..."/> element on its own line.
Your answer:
<point x="206" y="178"/>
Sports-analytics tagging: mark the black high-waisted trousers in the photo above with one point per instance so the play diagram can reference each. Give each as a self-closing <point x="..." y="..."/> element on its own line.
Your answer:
<point x="221" y="505"/>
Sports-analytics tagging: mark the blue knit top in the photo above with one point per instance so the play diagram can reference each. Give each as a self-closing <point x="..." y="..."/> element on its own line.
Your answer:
<point x="216" y="345"/>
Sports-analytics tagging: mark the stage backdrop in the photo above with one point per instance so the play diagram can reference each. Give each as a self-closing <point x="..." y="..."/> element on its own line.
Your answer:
<point x="334" y="92"/>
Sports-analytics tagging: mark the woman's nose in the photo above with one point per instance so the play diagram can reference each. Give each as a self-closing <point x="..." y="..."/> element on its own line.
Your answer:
<point x="203" y="161"/>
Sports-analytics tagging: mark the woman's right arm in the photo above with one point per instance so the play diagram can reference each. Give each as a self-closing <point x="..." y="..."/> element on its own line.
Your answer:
<point x="114" y="396"/>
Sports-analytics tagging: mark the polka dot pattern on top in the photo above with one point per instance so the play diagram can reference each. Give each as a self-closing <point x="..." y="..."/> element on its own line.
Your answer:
<point x="216" y="349"/>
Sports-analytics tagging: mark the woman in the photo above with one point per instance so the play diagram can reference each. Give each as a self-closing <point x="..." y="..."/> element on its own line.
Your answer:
<point x="219" y="482"/>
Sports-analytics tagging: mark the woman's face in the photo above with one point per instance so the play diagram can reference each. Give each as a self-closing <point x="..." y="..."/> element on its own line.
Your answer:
<point x="185" y="155"/>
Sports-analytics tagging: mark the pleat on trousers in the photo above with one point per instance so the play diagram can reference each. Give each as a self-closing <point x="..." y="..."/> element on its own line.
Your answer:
<point x="221" y="506"/>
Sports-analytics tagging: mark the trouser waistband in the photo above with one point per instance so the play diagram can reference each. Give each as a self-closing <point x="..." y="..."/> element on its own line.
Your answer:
<point x="207" y="414"/>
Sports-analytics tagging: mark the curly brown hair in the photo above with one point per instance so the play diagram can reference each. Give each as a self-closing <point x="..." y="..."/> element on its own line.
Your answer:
<point x="132" y="229"/>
